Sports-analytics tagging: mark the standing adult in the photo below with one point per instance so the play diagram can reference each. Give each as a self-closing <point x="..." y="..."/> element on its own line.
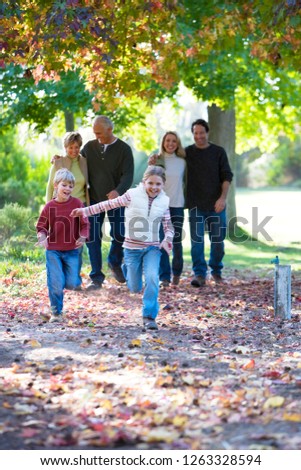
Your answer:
<point x="77" y="165"/>
<point x="208" y="180"/>
<point x="110" y="170"/>
<point x="172" y="158"/>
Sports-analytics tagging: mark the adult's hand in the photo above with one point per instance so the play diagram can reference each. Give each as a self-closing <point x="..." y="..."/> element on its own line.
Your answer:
<point x="220" y="205"/>
<point x="54" y="157"/>
<point x="152" y="160"/>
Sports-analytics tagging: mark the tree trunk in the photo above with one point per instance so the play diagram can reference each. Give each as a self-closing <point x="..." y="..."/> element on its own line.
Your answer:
<point x="222" y="132"/>
<point x="69" y="121"/>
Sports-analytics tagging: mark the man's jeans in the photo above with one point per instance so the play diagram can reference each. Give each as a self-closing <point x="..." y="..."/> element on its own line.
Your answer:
<point x="62" y="273"/>
<point x="116" y="219"/>
<point x="216" y="226"/>
<point x="177" y="219"/>
<point x="144" y="262"/>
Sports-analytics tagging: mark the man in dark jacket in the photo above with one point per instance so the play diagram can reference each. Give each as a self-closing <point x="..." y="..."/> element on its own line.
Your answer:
<point x="110" y="170"/>
<point x="208" y="180"/>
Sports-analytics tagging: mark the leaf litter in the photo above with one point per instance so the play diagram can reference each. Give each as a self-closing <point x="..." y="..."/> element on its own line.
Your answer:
<point x="221" y="373"/>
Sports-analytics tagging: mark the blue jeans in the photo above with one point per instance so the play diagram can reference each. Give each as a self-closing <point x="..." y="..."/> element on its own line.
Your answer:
<point x="216" y="225"/>
<point x="116" y="219"/>
<point x="177" y="219"/>
<point x="144" y="262"/>
<point x="62" y="273"/>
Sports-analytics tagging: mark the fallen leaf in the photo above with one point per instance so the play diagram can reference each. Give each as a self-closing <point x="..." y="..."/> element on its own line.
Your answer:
<point x="136" y="343"/>
<point x="249" y="365"/>
<point x="273" y="402"/>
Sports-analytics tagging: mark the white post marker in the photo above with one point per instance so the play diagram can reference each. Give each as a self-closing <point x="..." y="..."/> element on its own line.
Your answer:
<point x="282" y="290"/>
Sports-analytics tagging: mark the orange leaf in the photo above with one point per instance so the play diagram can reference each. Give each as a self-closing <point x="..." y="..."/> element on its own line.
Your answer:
<point x="249" y="365"/>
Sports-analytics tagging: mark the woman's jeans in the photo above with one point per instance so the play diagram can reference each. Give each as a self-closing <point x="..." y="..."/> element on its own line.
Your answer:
<point x="116" y="219"/>
<point x="177" y="219"/>
<point x="144" y="262"/>
<point x="62" y="273"/>
<point x="215" y="223"/>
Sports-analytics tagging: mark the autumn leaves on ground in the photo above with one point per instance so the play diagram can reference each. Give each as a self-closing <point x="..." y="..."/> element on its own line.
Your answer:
<point x="221" y="372"/>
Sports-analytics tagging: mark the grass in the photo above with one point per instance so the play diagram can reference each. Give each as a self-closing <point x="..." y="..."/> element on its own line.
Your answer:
<point x="284" y="229"/>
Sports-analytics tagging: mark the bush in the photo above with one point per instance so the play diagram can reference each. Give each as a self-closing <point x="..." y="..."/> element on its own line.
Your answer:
<point x="18" y="234"/>
<point x="14" y="221"/>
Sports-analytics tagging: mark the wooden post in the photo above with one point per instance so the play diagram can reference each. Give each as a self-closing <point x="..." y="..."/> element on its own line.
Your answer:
<point x="282" y="291"/>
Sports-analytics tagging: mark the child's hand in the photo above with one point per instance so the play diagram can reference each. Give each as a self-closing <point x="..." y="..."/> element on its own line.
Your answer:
<point x="167" y="246"/>
<point x="80" y="242"/>
<point x="42" y="241"/>
<point x="77" y="212"/>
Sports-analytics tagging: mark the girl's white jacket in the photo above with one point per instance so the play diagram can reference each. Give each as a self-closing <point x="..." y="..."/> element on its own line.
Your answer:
<point x="142" y="224"/>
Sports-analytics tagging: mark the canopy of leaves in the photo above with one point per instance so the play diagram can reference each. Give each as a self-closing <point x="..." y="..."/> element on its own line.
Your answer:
<point x="116" y="45"/>
<point x="39" y="102"/>
<point x="145" y="48"/>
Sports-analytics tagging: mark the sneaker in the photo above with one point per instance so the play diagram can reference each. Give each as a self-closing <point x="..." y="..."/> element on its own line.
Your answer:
<point x="117" y="273"/>
<point x="164" y="283"/>
<point x="217" y="278"/>
<point x="198" y="281"/>
<point x="175" y="280"/>
<point x="55" y="317"/>
<point x="150" y="323"/>
<point x="94" y="285"/>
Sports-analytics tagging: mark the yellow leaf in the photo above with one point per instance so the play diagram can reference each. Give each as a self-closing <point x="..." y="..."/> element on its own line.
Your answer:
<point x="169" y="368"/>
<point x="107" y="404"/>
<point x="136" y="343"/>
<point x="292" y="417"/>
<point x="179" y="421"/>
<point x="158" y="340"/>
<point x="273" y="402"/>
<point x="162" y="381"/>
<point x="5" y="404"/>
<point x="35" y="344"/>
<point x="205" y="383"/>
<point x="161" y="434"/>
<point x="58" y="367"/>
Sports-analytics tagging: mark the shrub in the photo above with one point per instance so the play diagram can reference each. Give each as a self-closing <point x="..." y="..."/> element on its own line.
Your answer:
<point x="14" y="221"/>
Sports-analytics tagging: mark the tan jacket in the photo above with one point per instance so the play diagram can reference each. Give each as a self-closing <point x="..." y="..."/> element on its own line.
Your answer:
<point x="64" y="162"/>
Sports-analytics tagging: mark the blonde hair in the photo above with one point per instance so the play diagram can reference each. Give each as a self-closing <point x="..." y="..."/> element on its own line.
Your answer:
<point x="63" y="175"/>
<point x="154" y="171"/>
<point x="180" y="152"/>
<point x="71" y="138"/>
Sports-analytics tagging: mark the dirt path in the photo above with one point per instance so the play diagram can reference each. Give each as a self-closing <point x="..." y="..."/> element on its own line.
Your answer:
<point x="221" y="372"/>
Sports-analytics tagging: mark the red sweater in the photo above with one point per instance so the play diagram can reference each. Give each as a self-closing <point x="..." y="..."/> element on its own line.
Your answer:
<point x="61" y="229"/>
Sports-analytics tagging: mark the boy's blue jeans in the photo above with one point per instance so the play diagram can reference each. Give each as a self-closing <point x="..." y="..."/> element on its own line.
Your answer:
<point x="216" y="225"/>
<point x="62" y="273"/>
<point x="177" y="219"/>
<point x="144" y="262"/>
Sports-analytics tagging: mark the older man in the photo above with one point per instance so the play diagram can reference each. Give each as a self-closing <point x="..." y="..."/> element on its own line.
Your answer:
<point x="110" y="169"/>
